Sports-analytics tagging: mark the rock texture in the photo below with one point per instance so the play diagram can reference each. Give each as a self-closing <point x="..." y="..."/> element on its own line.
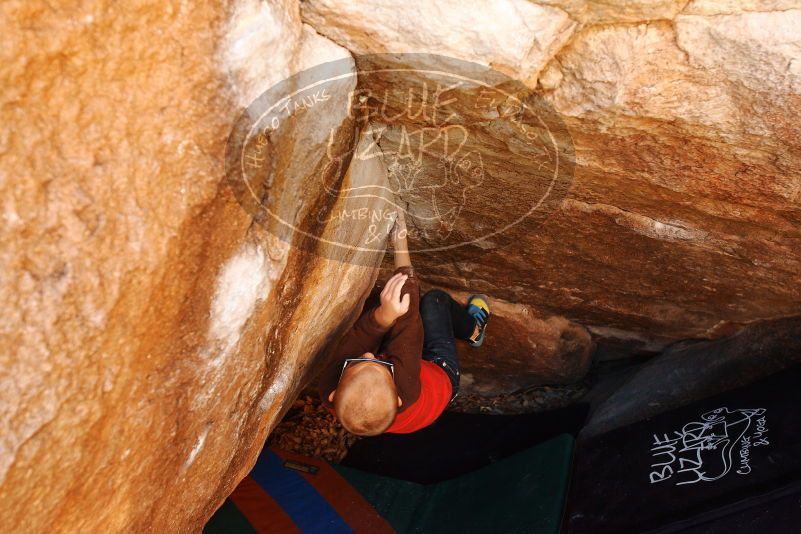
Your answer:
<point x="683" y="218"/>
<point x="690" y="371"/>
<point x="154" y="330"/>
<point x="152" y="334"/>
<point x="515" y="37"/>
<point x="522" y="349"/>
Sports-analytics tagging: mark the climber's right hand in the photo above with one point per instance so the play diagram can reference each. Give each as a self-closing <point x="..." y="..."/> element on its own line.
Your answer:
<point x="393" y="304"/>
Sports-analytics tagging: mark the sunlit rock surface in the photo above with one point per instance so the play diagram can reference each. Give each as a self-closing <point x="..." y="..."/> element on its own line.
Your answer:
<point x="152" y="334"/>
<point x="154" y="330"/>
<point x="683" y="217"/>
<point x="516" y="37"/>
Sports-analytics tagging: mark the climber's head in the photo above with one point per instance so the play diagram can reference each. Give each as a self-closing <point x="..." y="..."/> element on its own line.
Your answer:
<point x="366" y="400"/>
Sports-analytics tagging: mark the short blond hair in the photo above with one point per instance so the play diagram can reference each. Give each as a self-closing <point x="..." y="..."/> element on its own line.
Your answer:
<point x="366" y="404"/>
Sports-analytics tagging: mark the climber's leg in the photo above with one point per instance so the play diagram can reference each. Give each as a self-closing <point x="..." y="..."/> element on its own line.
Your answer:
<point x="441" y="318"/>
<point x="464" y="324"/>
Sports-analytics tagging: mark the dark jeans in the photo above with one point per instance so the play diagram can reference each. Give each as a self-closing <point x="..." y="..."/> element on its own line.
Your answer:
<point x="444" y="321"/>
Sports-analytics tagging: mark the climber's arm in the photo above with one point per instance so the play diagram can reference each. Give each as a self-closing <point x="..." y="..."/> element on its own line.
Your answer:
<point x="404" y="342"/>
<point x="364" y="336"/>
<point x="399" y="241"/>
<point x="368" y="332"/>
<point x="398" y="313"/>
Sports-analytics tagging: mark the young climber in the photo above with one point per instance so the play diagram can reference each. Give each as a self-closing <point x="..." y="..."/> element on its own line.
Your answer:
<point x="397" y="369"/>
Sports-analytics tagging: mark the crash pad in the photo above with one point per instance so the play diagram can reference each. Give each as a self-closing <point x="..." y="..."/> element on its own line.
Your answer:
<point x="290" y="493"/>
<point x="459" y="443"/>
<point x="733" y="455"/>
<point x="523" y="493"/>
<point x="287" y="493"/>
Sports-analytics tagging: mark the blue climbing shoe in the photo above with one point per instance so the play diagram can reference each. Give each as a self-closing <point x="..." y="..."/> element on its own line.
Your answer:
<point x="478" y="308"/>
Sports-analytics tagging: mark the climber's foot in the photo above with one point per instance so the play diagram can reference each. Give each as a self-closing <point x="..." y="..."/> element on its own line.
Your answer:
<point x="478" y="308"/>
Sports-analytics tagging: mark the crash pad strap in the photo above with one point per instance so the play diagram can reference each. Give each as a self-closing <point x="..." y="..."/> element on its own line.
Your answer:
<point x="261" y="510"/>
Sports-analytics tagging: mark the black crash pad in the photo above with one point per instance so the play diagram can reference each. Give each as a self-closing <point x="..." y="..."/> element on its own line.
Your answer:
<point x="698" y="465"/>
<point x="458" y="443"/>
<point x="523" y="493"/>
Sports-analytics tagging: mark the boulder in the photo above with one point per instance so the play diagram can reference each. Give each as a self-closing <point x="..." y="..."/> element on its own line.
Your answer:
<point x="630" y="168"/>
<point x="155" y="328"/>
<point x="681" y="216"/>
<point x="516" y="37"/>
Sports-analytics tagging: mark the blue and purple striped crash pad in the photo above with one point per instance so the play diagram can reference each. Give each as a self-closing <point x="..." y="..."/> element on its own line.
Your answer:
<point x="290" y="493"/>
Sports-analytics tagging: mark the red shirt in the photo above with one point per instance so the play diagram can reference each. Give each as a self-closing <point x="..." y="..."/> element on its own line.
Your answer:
<point x="435" y="393"/>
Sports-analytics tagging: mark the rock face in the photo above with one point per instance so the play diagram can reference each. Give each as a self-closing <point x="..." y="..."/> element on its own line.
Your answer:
<point x="683" y="216"/>
<point x="515" y="37"/>
<point x="152" y="334"/>
<point x="523" y="348"/>
<point x="157" y="322"/>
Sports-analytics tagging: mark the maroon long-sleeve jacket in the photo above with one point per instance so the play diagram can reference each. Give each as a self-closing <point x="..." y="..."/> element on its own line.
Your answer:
<point x="423" y="387"/>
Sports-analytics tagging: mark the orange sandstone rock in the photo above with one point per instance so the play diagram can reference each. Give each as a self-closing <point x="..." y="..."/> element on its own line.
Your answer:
<point x="152" y="334"/>
<point x="154" y="331"/>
